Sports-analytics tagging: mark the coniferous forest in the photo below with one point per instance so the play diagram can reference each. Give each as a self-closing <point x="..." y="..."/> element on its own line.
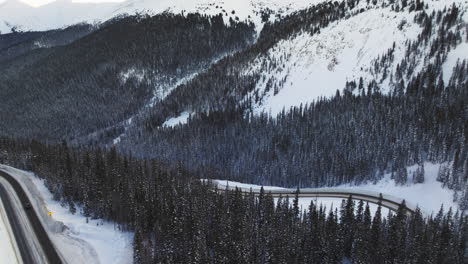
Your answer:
<point x="177" y="219"/>
<point x="85" y="110"/>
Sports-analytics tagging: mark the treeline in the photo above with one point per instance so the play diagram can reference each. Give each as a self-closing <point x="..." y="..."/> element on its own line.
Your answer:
<point x="176" y="219"/>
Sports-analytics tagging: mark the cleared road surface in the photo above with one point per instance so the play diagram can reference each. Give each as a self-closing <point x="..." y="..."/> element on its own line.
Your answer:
<point x="31" y="238"/>
<point x="9" y="252"/>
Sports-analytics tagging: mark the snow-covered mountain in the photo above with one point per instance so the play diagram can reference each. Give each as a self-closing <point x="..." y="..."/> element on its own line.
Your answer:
<point x="302" y="67"/>
<point x="379" y="44"/>
<point x="17" y="15"/>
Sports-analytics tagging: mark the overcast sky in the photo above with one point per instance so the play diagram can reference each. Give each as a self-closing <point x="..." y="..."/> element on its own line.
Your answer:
<point x="43" y="2"/>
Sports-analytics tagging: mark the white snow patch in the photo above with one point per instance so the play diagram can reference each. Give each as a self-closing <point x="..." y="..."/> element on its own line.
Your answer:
<point x="138" y="74"/>
<point x="111" y="245"/>
<point x="41" y="44"/>
<point x="162" y="91"/>
<point x="429" y="196"/>
<point x="458" y="54"/>
<point x="182" y="119"/>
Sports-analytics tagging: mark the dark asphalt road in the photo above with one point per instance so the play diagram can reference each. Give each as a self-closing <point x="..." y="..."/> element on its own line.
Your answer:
<point x="20" y="236"/>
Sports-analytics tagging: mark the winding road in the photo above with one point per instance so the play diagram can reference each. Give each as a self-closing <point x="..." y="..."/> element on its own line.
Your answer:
<point x="387" y="201"/>
<point x="32" y="241"/>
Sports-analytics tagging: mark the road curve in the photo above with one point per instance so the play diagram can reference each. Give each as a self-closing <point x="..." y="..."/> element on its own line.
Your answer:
<point x="389" y="202"/>
<point x="21" y="236"/>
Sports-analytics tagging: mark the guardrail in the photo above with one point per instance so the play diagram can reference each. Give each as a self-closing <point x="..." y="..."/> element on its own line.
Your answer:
<point x="386" y="201"/>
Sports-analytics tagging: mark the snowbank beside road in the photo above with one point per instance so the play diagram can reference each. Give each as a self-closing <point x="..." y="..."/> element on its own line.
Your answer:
<point x="78" y="242"/>
<point x="111" y="245"/>
<point x="8" y="253"/>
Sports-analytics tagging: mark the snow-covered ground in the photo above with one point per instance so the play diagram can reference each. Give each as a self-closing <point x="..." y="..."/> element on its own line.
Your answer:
<point x="7" y="251"/>
<point x="78" y="241"/>
<point x="111" y="245"/>
<point x="428" y="196"/>
<point x="14" y="13"/>
<point x="456" y="55"/>
<point x="319" y="65"/>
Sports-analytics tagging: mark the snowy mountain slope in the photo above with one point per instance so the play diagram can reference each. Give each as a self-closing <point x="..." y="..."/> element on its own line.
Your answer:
<point x="306" y="67"/>
<point x="360" y="46"/>
<point x="20" y="16"/>
<point x="241" y="9"/>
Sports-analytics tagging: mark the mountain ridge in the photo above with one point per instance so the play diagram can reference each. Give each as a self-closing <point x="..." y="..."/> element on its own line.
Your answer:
<point x="18" y="16"/>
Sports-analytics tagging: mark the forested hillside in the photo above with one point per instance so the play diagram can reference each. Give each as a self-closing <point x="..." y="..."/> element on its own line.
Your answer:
<point x="123" y="119"/>
<point x="107" y="76"/>
<point x="346" y="139"/>
<point x="16" y="44"/>
<point x="411" y="110"/>
<point x="265" y="78"/>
